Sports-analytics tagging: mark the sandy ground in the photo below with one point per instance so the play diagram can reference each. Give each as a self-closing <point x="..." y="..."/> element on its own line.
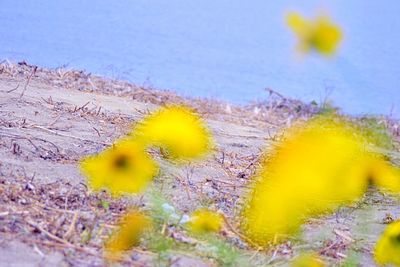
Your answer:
<point x="50" y="119"/>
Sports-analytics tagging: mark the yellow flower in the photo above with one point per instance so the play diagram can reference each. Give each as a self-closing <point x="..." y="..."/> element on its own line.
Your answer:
<point x="308" y="260"/>
<point x="321" y="34"/>
<point x="123" y="168"/>
<point x="130" y="230"/>
<point x="205" y="221"/>
<point x="178" y="130"/>
<point x="387" y="249"/>
<point x="385" y="176"/>
<point x="319" y="166"/>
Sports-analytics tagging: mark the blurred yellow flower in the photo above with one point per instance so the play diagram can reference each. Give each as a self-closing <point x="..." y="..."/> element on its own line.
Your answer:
<point x="319" y="166"/>
<point x="307" y="260"/>
<point x="321" y="34"/>
<point x="123" y="168"/>
<point x="387" y="249"/>
<point x="178" y="130"/>
<point x="130" y="230"/>
<point x="205" y="221"/>
<point x="385" y="176"/>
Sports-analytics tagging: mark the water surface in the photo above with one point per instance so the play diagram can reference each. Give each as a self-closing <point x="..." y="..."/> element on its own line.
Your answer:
<point x="223" y="49"/>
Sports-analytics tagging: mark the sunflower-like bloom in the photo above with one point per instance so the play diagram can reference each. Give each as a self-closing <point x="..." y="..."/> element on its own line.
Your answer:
<point x="321" y="34"/>
<point x="130" y="230"/>
<point x="387" y="249"/>
<point x="308" y="260"/>
<point x="122" y="168"/>
<point x="318" y="167"/>
<point x="176" y="129"/>
<point x="205" y="221"/>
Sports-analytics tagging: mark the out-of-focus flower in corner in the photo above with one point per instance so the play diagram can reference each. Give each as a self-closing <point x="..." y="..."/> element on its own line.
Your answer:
<point x="307" y="260"/>
<point x="387" y="249"/>
<point x="319" y="166"/>
<point x="130" y="230"/>
<point x="205" y="221"/>
<point x="177" y="130"/>
<point x="122" y="168"/>
<point x="321" y="34"/>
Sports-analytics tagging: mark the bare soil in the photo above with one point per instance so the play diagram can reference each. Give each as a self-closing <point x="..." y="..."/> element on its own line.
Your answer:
<point x="49" y="119"/>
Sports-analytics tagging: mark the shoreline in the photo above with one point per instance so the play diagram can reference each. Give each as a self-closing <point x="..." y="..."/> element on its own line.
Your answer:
<point x="88" y="82"/>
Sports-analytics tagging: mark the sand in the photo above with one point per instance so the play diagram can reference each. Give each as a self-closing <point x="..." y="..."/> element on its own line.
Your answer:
<point x="49" y="119"/>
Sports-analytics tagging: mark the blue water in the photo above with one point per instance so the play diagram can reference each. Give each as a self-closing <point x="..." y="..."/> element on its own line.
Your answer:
<point x="223" y="49"/>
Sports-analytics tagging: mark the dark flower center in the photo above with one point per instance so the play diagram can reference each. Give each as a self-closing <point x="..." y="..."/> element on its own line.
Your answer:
<point x="121" y="162"/>
<point x="395" y="239"/>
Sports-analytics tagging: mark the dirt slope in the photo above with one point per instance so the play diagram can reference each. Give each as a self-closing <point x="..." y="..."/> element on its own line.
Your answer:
<point x="49" y="120"/>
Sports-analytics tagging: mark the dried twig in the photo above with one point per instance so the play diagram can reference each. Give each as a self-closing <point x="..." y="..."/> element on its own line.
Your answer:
<point x="71" y="227"/>
<point x="233" y="230"/>
<point x="27" y="81"/>
<point x="69" y="136"/>
<point x="48" y="234"/>
<point x="15" y="88"/>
